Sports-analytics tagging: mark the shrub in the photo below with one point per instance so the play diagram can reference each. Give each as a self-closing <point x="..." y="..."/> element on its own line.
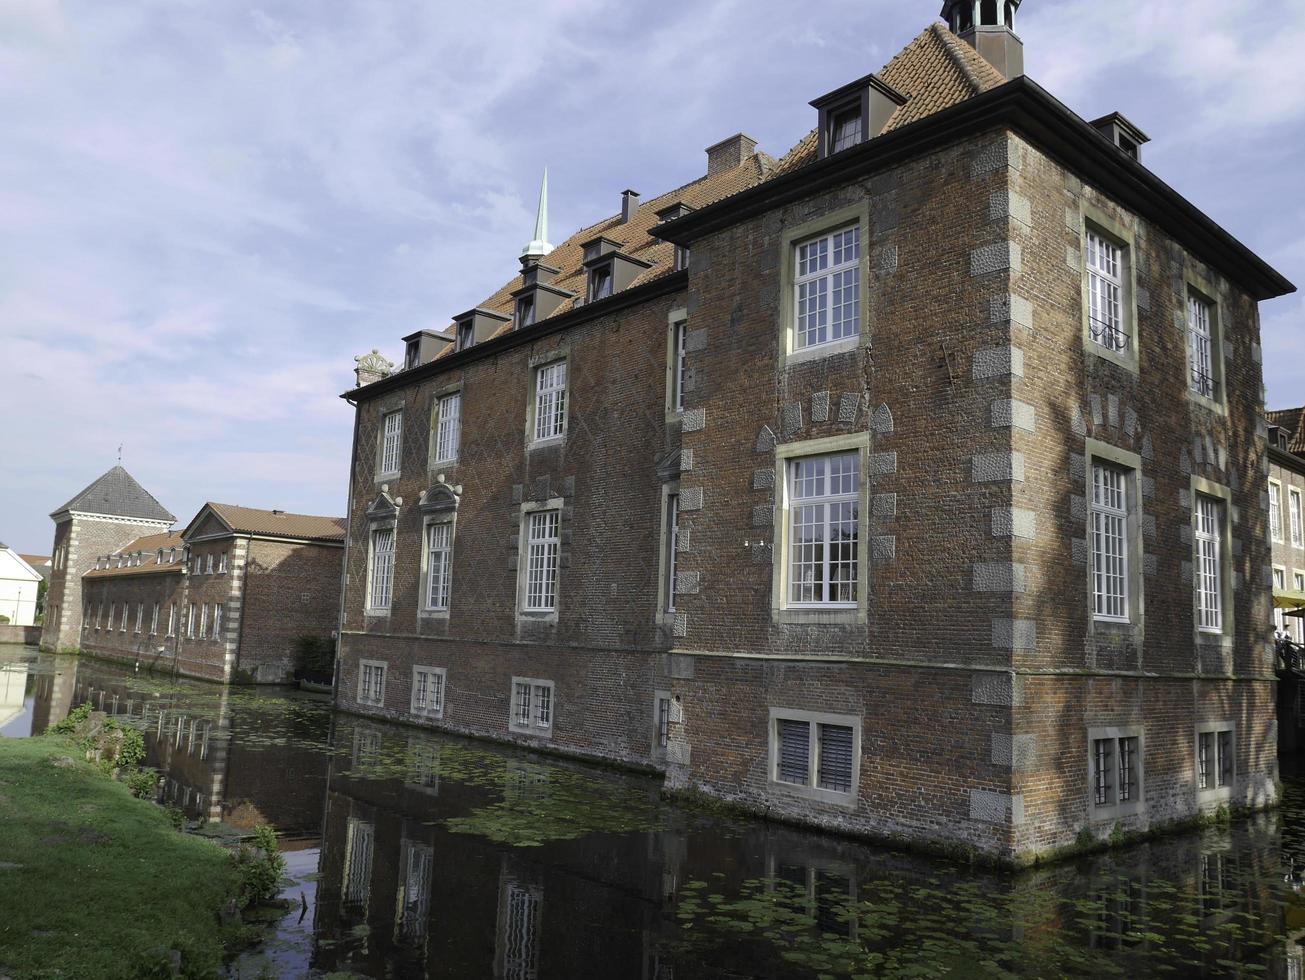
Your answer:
<point x="131" y="751"/>
<point x="314" y="658"/>
<point x="3" y="619"/>
<point x="75" y="718"/>
<point x="176" y="816"/>
<point x="259" y="866"/>
<point x="141" y="782"/>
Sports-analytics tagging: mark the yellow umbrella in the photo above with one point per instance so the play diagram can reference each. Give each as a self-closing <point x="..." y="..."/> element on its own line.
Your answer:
<point x="1289" y="599"/>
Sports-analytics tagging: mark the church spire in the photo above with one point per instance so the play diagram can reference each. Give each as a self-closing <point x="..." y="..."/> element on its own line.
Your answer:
<point x="539" y="247"/>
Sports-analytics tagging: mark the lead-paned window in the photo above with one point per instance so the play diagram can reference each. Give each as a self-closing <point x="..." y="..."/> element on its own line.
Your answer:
<point x="542" y="544"/>
<point x="439" y="565"/>
<point x="391" y="442"/>
<point x="448" y="428"/>
<point x="371" y="682"/>
<point x="550" y="401"/>
<point x="1200" y="347"/>
<point x="1209" y="560"/>
<point x="824" y="500"/>
<point x="382" y="568"/>
<point x="1105" y="271"/>
<point x="1110" y="542"/>
<point x="827" y="288"/>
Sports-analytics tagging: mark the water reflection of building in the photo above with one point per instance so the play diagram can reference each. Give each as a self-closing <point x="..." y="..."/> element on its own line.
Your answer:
<point x="13" y="691"/>
<point x="215" y="760"/>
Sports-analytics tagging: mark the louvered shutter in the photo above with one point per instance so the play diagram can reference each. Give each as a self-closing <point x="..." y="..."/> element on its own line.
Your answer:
<point x="794" y="751"/>
<point x="835" y="758"/>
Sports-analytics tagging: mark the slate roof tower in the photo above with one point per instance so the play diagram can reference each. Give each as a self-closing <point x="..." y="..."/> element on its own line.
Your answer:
<point x="110" y="512"/>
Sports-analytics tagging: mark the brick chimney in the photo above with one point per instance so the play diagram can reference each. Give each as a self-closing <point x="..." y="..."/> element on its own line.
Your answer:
<point x="729" y="153"/>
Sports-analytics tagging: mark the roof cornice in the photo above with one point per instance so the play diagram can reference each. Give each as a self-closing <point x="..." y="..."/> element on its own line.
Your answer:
<point x="1288" y="459"/>
<point x="1030" y="110"/>
<point x="671" y="283"/>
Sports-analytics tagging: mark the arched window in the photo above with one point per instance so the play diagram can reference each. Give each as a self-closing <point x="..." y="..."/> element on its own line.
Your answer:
<point x="988" y="12"/>
<point x="1010" y="14"/>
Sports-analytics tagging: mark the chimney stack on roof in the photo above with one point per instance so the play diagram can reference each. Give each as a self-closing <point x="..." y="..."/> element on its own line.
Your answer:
<point x="729" y="153"/>
<point x="629" y="205"/>
<point x="988" y="26"/>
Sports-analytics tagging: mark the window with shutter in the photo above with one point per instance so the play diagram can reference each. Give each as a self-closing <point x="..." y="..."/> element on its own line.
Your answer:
<point x="835" y="758"/>
<point x="816" y="755"/>
<point x="794" y="751"/>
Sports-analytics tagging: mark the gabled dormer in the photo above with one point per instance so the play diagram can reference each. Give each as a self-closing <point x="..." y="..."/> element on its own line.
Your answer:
<point x="607" y="269"/>
<point x="857" y="112"/>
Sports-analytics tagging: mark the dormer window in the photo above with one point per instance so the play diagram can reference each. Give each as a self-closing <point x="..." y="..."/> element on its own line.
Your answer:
<point x="525" y="311"/>
<point x="845" y="128"/>
<point x="466" y="335"/>
<point x="411" y="355"/>
<point x="600" y="282"/>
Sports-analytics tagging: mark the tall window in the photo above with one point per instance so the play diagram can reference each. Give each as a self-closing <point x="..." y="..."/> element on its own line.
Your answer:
<point x="203" y="621"/>
<point x="466" y="335"/>
<point x="1116" y="768"/>
<point x="532" y="705"/>
<point x="222" y="562"/>
<point x="198" y="565"/>
<point x="677" y="368"/>
<point x="140" y="616"/>
<point x="663" y="720"/>
<point x="1275" y="510"/>
<point x="1200" y="346"/>
<point x="814" y="754"/>
<point x="1279" y="617"/>
<point x="359" y="842"/>
<point x="191" y="620"/>
<point x="439" y="565"/>
<point x="827" y="288"/>
<point x="382" y="578"/>
<point x="525" y="311"/>
<point x="172" y="619"/>
<point x="112" y="609"/>
<point x="1298" y="624"/>
<point x="600" y="282"/>
<point x="1110" y="542"/>
<point x="391" y="442"/>
<point x="1105" y="265"/>
<point x="448" y="428"/>
<point x="428" y="691"/>
<point x="371" y="682"/>
<point x="1209" y="572"/>
<point x="1293" y="515"/>
<point x="154" y="621"/>
<point x="824" y="496"/>
<point x="542" y="543"/>
<point x="208" y="565"/>
<point x="217" y="620"/>
<point x="550" y="401"/>
<point x="126" y="608"/>
<point x="672" y="538"/>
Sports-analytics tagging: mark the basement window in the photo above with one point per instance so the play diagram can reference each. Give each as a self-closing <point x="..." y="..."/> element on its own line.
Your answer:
<point x="815" y="755"/>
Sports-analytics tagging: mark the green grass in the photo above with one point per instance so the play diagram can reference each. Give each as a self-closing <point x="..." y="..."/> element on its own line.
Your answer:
<point x="95" y="882"/>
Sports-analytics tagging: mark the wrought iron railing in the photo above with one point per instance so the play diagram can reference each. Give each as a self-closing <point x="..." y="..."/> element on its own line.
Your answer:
<point x="1109" y="335"/>
<point x="1204" y="385"/>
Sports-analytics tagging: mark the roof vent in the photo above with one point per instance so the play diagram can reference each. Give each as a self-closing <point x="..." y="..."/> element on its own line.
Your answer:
<point x="729" y="153"/>
<point x="629" y="205"/>
<point x="1123" y="134"/>
<point x="988" y="26"/>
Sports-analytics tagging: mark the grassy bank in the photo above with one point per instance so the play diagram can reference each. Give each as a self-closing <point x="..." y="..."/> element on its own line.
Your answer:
<point x="95" y="882"/>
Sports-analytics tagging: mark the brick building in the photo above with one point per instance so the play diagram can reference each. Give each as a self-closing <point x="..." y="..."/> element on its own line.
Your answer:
<point x="1286" y="438"/>
<point x="909" y="485"/>
<point x="222" y="600"/>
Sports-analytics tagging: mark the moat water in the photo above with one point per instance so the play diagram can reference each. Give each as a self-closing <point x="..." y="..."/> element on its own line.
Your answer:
<point x="417" y="854"/>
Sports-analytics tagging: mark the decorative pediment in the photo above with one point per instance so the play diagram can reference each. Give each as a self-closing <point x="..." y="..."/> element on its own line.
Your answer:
<point x="440" y="498"/>
<point x="382" y="508"/>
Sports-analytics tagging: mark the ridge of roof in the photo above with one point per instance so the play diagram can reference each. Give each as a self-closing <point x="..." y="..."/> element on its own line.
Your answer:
<point x="116" y="493"/>
<point x="277" y="523"/>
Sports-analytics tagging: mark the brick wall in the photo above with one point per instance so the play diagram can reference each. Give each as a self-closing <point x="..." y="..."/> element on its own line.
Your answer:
<point x="136" y="588"/>
<point x="289" y="590"/>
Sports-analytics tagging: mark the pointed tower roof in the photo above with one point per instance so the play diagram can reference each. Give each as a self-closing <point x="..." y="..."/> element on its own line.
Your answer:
<point x="117" y="494"/>
<point x="539" y="247"/>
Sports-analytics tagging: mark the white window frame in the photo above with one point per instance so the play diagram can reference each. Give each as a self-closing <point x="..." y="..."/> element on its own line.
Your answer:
<point x="1209" y="565"/>
<point x="1106" y="261"/>
<point x="172" y="619"/>
<point x="126" y="613"/>
<point x="679" y="361"/>
<point x="222" y="563"/>
<point x="812" y="790"/>
<point x="1202" y="334"/>
<point x="390" y="459"/>
<point x="1296" y="628"/>
<point x="380" y="577"/>
<point x="1279" y="573"/>
<point x="217" y="621"/>
<point x="1294" y="516"/>
<point x="550" y="396"/>
<point x="367" y="691"/>
<point x="1114" y="808"/>
<point x="190" y="623"/>
<point x="198" y="566"/>
<point x="435" y="691"/>
<point x="670" y="546"/>
<point x="154" y="621"/>
<point x="826" y="502"/>
<point x="534" y="553"/>
<point x="1275" y="510"/>
<point x="448" y="428"/>
<point x="1110" y="541"/>
<point x="431" y="601"/>
<point x="203" y="620"/>
<point x="140" y="616"/>
<point x="817" y="282"/>
<point x="208" y="564"/>
<point x="1214" y="791"/>
<point x="539" y="714"/>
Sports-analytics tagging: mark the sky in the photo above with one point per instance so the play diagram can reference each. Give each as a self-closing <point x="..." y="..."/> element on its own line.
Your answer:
<point x="209" y="207"/>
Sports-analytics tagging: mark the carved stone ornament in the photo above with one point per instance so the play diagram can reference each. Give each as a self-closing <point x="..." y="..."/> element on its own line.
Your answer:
<point x="372" y="367"/>
<point x="440" y="497"/>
